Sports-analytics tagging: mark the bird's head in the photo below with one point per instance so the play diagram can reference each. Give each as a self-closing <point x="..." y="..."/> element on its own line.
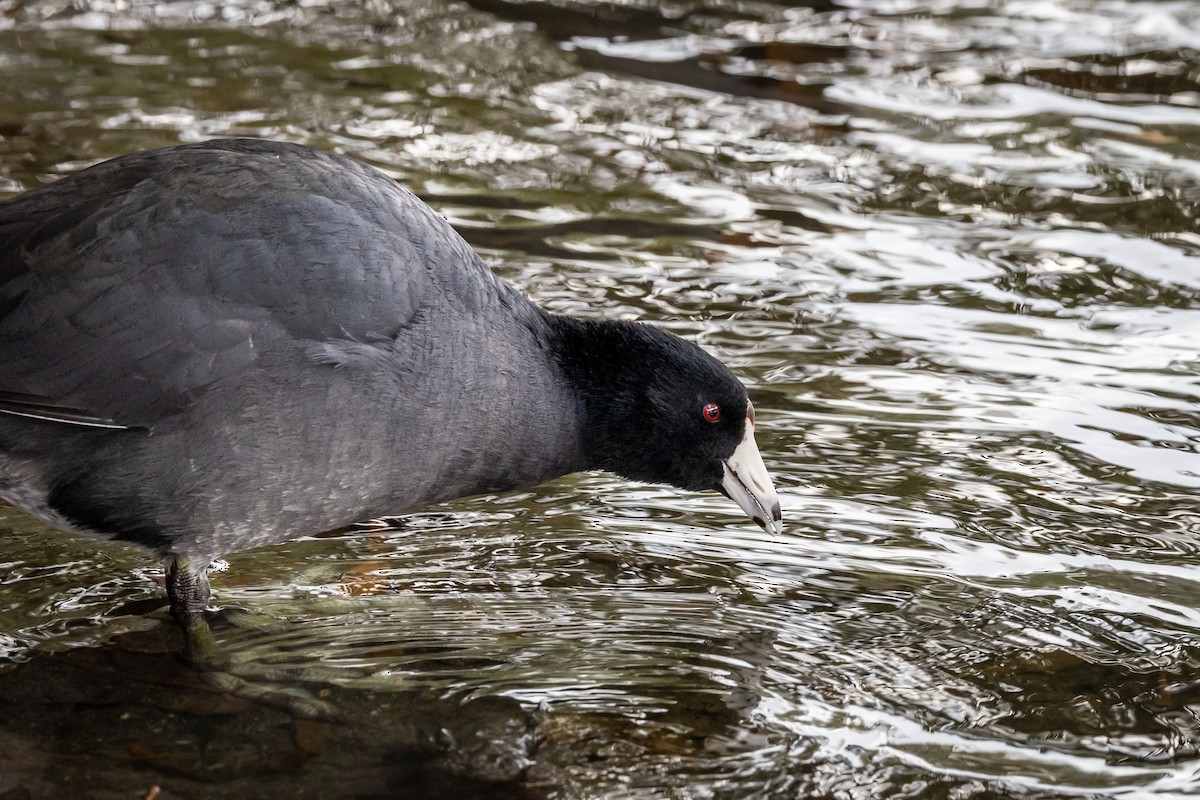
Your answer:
<point x="659" y="409"/>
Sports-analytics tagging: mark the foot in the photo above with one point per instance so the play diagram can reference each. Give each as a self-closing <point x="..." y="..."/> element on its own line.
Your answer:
<point x="189" y="593"/>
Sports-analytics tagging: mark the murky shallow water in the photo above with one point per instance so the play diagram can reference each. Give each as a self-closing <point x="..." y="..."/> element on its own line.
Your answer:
<point x="950" y="246"/>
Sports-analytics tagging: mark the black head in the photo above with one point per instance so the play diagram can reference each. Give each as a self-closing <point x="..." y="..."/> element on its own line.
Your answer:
<point x="655" y="407"/>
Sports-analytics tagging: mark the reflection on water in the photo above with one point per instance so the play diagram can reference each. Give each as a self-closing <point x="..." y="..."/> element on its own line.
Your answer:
<point x="950" y="246"/>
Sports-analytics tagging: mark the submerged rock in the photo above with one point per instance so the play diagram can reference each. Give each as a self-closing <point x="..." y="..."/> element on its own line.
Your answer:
<point x="116" y="721"/>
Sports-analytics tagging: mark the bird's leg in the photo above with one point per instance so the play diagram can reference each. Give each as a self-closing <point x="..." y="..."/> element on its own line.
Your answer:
<point x="189" y="593"/>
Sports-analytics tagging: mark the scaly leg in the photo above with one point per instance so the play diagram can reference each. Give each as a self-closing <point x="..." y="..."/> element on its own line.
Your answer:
<point x="189" y="593"/>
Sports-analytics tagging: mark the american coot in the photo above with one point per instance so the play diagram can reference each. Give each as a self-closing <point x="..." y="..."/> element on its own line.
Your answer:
<point x="222" y="345"/>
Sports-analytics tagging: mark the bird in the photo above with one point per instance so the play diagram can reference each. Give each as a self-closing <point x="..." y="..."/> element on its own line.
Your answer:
<point x="227" y="344"/>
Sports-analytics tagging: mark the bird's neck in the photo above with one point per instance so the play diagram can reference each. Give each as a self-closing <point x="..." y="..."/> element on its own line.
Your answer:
<point x="529" y="429"/>
<point x="606" y="364"/>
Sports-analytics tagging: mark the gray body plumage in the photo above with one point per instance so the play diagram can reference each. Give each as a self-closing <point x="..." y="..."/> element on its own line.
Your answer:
<point x="364" y="370"/>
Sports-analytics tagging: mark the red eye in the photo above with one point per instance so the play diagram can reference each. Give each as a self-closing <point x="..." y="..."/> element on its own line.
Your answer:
<point x="712" y="412"/>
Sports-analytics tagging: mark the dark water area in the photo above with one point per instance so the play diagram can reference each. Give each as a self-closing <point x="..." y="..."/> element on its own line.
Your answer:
<point x="951" y="248"/>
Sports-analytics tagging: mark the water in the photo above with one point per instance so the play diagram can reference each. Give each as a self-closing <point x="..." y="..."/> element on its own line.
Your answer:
<point x="951" y="248"/>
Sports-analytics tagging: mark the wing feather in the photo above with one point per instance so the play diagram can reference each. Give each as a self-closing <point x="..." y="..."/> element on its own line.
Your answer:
<point x="129" y="289"/>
